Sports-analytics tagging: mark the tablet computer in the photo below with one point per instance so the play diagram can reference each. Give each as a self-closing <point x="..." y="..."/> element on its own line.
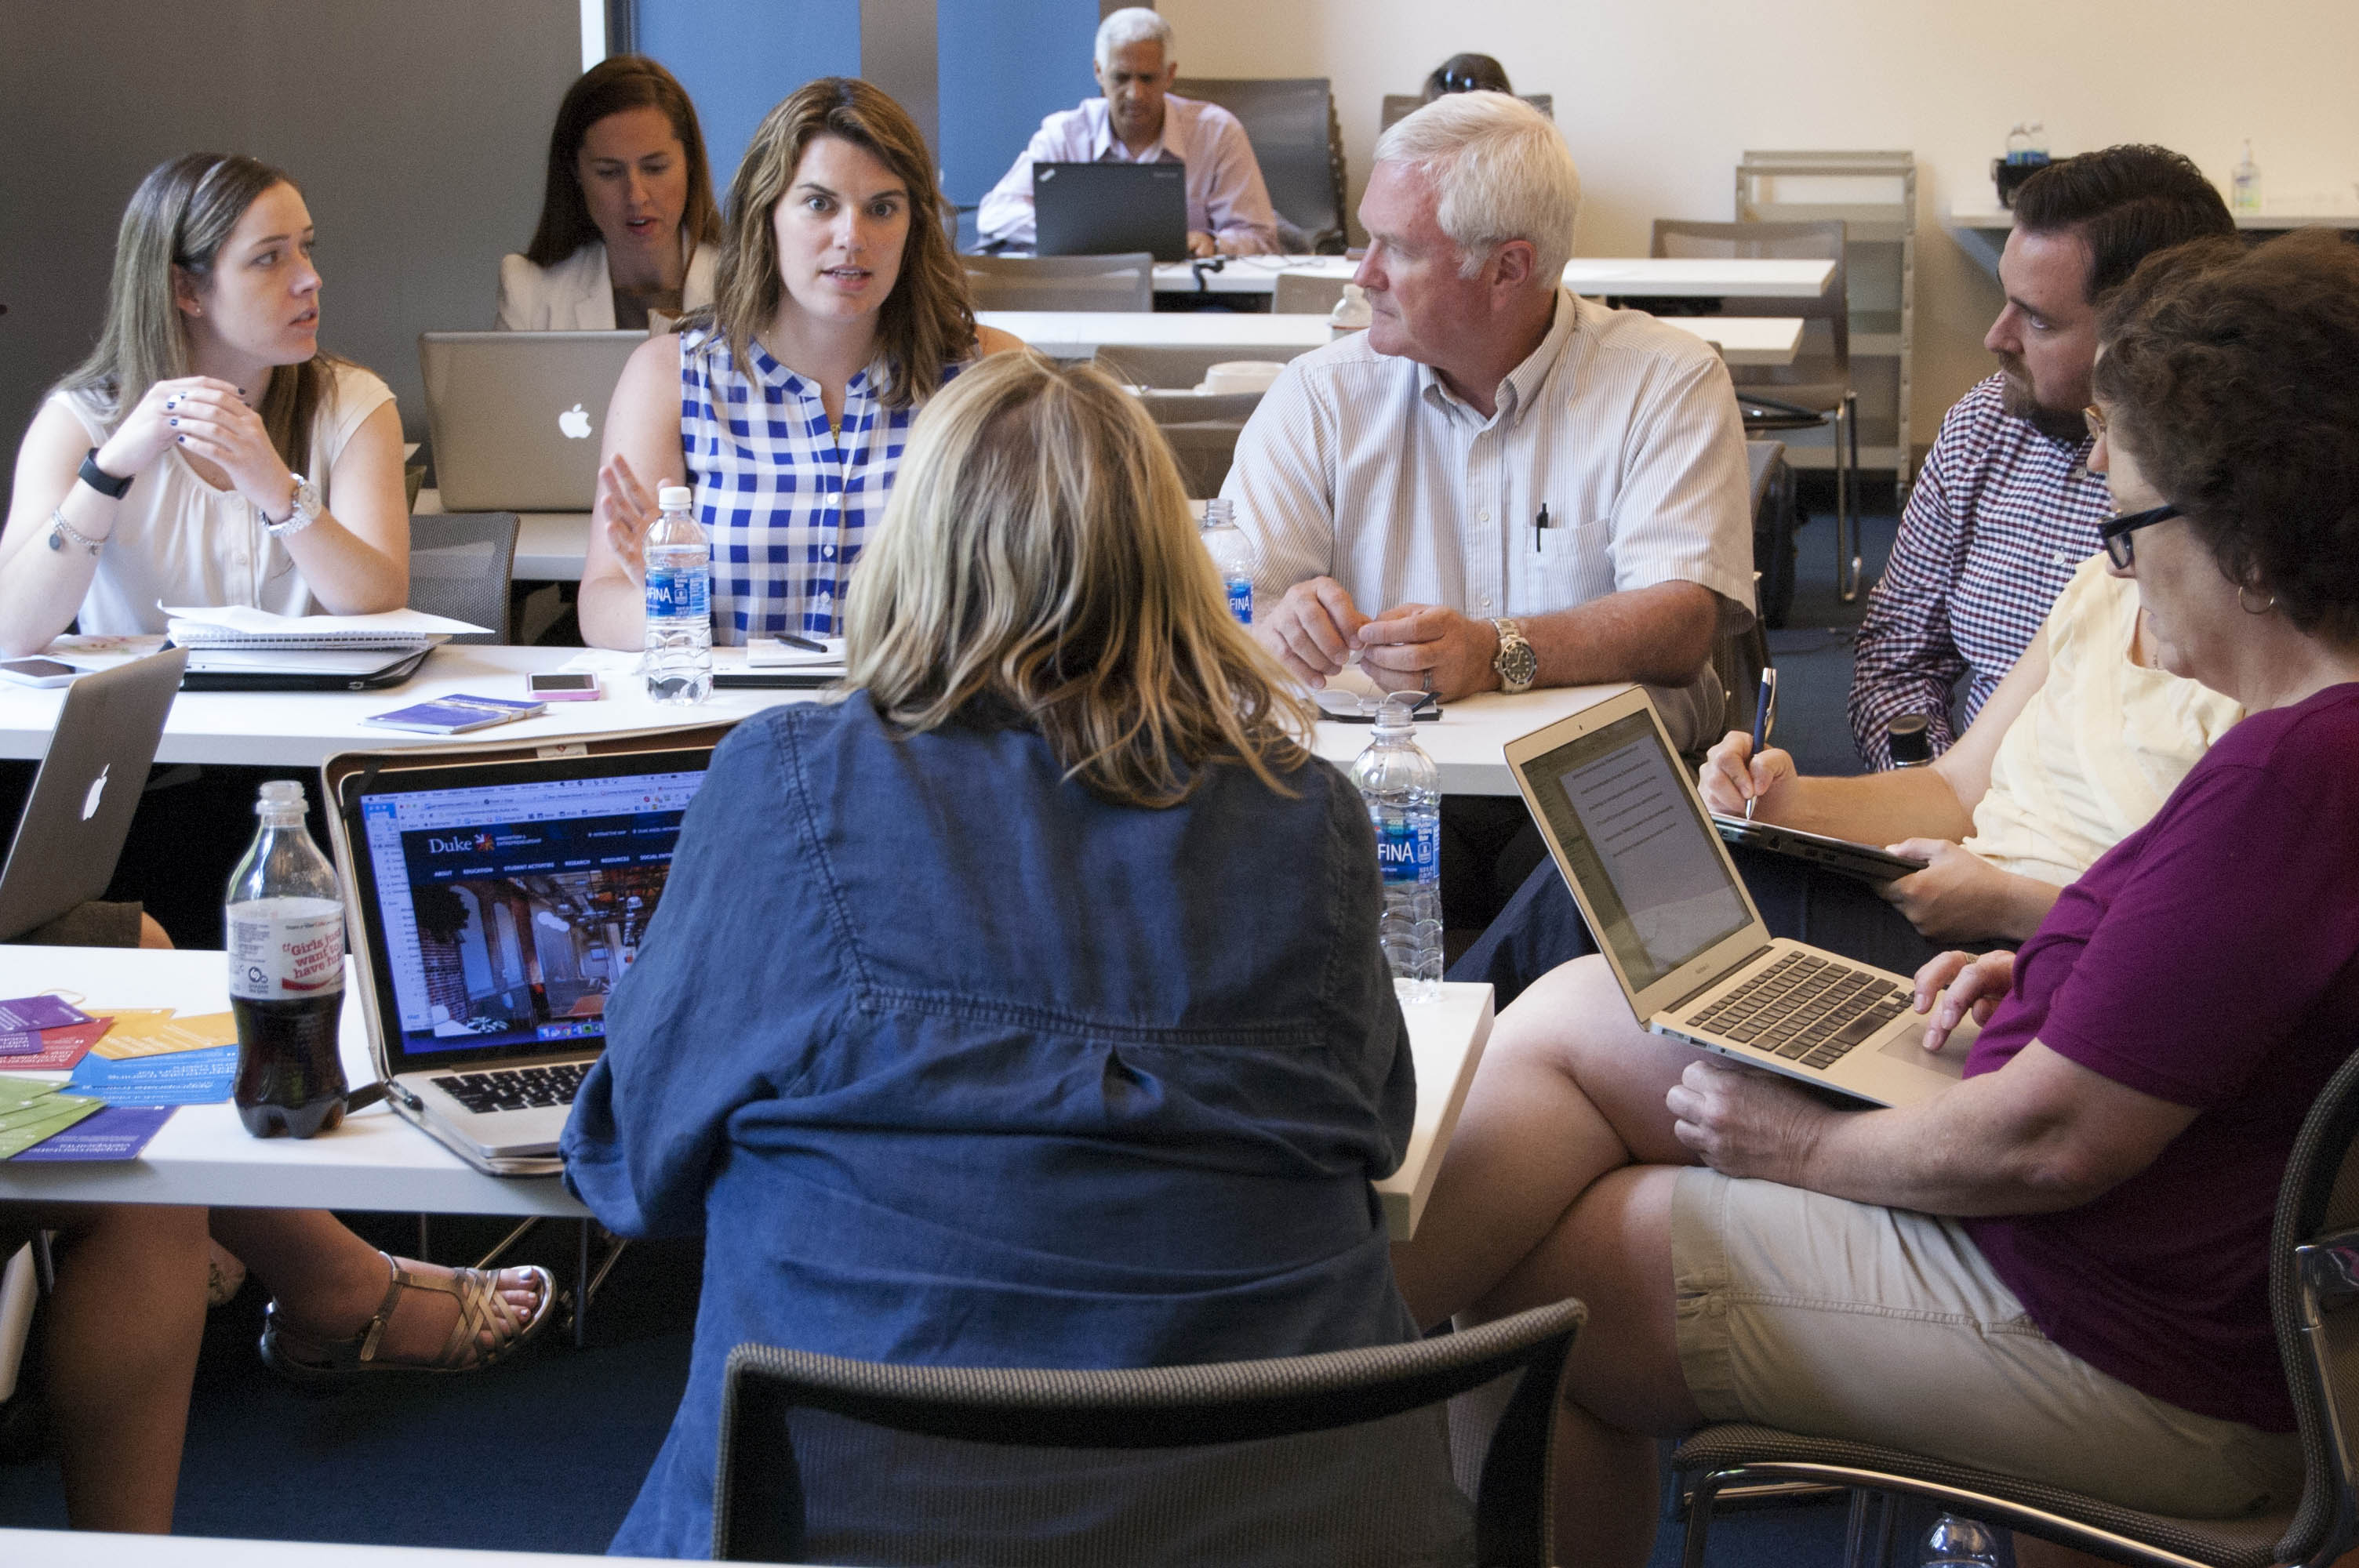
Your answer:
<point x="1841" y="856"/>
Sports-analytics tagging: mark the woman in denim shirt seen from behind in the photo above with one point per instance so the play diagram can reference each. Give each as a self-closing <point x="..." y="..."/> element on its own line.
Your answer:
<point x="1024" y="1007"/>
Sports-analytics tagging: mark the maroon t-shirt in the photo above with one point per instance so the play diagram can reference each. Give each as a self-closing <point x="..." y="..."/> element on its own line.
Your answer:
<point x="2210" y="959"/>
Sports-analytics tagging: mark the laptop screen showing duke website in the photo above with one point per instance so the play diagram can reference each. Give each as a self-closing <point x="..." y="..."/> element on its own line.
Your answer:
<point x="508" y="911"/>
<point x="1648" y="861"/>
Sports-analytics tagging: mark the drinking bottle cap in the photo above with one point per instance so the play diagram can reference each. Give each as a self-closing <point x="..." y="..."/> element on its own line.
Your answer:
<point x="675" y="498"/>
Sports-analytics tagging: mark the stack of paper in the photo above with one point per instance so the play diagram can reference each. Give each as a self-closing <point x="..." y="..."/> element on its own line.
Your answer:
<point x="242" y="626"/>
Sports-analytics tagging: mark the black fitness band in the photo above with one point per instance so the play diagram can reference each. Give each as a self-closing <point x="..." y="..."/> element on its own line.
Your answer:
<point x="99" y="480"/>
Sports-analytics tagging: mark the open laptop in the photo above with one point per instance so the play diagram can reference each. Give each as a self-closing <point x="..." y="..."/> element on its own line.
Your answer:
<point x="1680" y="933"/>
<point x="519" y="419"/>
<point x="1109" y="208"/>
<point x="497" y="893"/>
<point x="71" y="830"/>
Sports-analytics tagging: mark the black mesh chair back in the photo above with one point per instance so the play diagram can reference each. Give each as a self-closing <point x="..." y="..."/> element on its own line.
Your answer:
<point x="1298" y="142"/>
<point x="1124" y="281"/>
<point x="2315" y="1307"/>
<point x="1177" y="367"/>
<point x="1333" y="1458"/>
<point x="1299" y="293"/>
<point x="460" y="566"/>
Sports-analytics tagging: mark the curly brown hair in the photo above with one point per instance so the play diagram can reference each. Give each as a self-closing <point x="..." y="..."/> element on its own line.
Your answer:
<point x="2233" y="375"/>
<point x="928" y="321"/>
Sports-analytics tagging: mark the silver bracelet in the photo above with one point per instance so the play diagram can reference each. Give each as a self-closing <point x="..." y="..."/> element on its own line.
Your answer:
<point x="60" y="531"/>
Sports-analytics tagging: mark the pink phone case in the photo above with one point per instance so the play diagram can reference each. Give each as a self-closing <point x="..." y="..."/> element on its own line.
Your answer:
<point x="592" y="695"/>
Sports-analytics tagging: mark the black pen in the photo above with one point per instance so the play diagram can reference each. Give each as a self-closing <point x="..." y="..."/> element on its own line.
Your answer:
<point x="1538" y="523"/>
<point x="1765" y="716"/>
<point x="805" y="643"/>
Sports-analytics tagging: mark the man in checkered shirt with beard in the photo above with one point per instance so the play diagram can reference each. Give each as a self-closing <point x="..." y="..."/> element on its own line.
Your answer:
<point x="2007" y="506"/>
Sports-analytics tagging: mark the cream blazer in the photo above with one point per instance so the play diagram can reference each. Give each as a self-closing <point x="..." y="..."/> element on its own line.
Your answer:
<point x="577" y="295"/>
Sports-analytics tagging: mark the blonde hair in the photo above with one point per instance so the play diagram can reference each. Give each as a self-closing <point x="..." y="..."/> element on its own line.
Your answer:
<point x="1036" y="564"/>
<point x="177" y="221"/>
<point x="928" y="321"/>
<point x="1503" y="173"/>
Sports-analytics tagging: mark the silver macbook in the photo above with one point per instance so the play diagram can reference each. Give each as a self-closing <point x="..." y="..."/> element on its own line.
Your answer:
<point x="1674" y="921"/>
<point x="71" y="832"/>
<point x="519" y="419"/>
<point x="498" y="894"/>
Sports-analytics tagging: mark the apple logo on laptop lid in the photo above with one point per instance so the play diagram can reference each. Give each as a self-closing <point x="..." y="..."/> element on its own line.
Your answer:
<point x="97" y="788"/>
<point x="573" y="424"/>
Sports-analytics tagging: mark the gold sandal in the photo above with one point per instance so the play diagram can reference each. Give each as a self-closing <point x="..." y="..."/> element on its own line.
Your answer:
<point x="321" y="1364"/>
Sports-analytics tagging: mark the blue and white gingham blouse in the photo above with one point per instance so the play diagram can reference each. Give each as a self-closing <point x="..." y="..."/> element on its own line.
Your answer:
<point x="785" y="502"/>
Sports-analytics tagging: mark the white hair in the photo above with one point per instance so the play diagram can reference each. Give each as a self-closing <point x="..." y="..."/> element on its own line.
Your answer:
<point x="1132" y="25"/>
<point x="1502" y="171"/>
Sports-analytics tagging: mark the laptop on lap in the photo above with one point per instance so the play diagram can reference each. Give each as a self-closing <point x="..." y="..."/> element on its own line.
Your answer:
<point x="70" y="833"/>
<point x="519" y="419"/>
<point x="496" y="894"/>
<point x="1680" y="933"/>
<point x="1110" y="208"/>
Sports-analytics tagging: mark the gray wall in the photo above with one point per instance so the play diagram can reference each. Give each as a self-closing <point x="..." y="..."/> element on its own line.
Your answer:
<point x="417" y="130"/>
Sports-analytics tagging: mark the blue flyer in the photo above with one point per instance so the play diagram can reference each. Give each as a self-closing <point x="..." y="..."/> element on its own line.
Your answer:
<point x="183" y="1078"/>
<point x="118" y="1132"/>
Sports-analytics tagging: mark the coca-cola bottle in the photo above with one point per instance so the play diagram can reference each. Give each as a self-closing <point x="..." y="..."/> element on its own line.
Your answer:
<point x="286" y="926"/>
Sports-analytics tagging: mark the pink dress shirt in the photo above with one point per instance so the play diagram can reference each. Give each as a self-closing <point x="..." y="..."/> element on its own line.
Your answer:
<point x="1226" y="196"/>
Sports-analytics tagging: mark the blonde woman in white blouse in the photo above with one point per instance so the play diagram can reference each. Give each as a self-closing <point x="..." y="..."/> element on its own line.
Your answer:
<point x="628" y="221"/>
<point x="207" y="452"/>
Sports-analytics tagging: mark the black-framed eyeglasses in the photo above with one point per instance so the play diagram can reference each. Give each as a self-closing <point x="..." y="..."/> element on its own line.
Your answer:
<point x="2114" y="532"/>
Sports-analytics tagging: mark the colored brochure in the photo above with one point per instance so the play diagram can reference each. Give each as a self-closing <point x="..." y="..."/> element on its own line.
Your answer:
<point x="55" y="1050"/>
<point x="184" y="1077"/>
<point x="59" y="1112"/>
<point x="18" y="1093"/>
<point x="159" y="1032"/>
<point x="456" y="715"/>
<point x="31" y="1012"/>
<point x="116" y="1132"/>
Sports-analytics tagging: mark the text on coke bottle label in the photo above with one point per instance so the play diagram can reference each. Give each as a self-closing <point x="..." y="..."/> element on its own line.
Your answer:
<point x="283" y="949"/>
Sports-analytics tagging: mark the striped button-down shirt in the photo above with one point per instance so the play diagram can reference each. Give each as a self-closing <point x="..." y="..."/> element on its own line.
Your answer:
<point x="785" y="499"/>
<point x="2000" y="517"/>
<point x="1363" y="467"/>
<point x="1226" y="197"/>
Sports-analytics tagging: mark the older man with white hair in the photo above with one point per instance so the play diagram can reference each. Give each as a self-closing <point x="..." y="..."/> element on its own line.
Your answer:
<point x="1499" y="485"/>
<point x="1141" y="120"/>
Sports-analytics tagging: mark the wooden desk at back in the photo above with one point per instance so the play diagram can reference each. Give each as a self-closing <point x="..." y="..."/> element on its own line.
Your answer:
<point x="1621" y="277"/>
<point x="301" y="730"/>
<point x="377" y="1161"/>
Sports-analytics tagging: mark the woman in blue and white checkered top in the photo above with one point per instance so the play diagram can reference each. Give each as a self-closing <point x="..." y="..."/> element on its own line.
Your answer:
<point x="839" y="308"/>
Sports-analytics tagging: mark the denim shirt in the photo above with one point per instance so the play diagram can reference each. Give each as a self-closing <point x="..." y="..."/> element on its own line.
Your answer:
<point x="956" y="1062"/>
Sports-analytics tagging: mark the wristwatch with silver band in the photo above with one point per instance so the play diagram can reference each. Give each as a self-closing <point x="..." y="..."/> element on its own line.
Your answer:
<point x="1516" y="664"/>
<point x="303" y="512"/>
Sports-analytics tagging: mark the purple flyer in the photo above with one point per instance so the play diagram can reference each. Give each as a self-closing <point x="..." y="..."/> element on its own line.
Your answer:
<point x="117" y="1132"/>
<point x="39" y="1013"/>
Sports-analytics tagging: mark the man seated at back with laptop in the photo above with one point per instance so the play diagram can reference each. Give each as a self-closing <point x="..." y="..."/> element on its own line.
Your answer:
<point x="1140" y="120"/>
<point x="1498" y="486"/>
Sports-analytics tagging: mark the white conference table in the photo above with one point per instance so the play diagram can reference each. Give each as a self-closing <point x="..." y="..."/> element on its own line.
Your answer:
<point x="1619" y="276"/>
<point x="1980" y="228"/>
<point x="1078" y="334"/>
<point x="377" y="1161"/>
<point x="304" y="728"/>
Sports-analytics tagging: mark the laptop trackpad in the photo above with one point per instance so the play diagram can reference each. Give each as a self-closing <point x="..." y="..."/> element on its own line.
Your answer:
<point x="1950" y="1060"/>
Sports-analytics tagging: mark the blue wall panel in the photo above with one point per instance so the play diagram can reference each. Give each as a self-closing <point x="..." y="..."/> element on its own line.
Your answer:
<point x="1005" y="64"/>
<point x="738" y="57"/>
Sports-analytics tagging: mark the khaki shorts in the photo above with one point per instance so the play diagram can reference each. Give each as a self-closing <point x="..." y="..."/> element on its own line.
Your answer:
<point x="1838" y="1319"/>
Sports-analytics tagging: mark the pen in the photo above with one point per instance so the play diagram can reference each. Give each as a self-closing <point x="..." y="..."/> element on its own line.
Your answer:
<point x="1765" y="716"/>
<point x="805" y="643"/>
<point x="1538" y="523"/>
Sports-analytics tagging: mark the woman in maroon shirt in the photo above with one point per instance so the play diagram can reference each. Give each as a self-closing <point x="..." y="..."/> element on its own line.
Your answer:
<point x="2056" y="1267"/>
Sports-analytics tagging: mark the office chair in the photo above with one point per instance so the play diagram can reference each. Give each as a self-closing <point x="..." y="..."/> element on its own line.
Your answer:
<point x="1116" y="282"/>
<point x="2314" y="1302"/>
<point x="1326" y="1458"/>
<point x="1178" y="367"/>
<point x="460" y="566"/>
<point x="1298" y="142"/>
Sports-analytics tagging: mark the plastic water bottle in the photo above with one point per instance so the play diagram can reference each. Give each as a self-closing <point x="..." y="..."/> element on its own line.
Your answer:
<point x="285" y="918"/>
<point x="2246" y="185"/>
<point x="1958" y="1542"/>
<point x="680" y="600"/>
<point x="1233" y="553"/>
<point x="1403" y="794"/>
<point x="1352" y="313"/>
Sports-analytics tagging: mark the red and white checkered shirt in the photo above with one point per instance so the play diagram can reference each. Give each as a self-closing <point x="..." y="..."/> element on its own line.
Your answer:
<point x="2000" y="517"/>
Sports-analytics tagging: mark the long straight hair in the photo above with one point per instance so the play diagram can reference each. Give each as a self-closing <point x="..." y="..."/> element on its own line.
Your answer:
<point x="1037" y="564"/>
<point x="180" y="217"/>
<point x="610" y="87"/>
<point x="927" y="321"/>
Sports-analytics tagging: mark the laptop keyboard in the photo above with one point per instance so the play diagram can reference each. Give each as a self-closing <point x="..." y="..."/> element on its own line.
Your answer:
<point x="515" y="1088"/>
<point x="1806" y="1008"/>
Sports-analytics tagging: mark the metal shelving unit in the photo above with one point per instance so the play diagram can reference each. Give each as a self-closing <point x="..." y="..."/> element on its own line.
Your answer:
<point x="1874" y="194"/>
